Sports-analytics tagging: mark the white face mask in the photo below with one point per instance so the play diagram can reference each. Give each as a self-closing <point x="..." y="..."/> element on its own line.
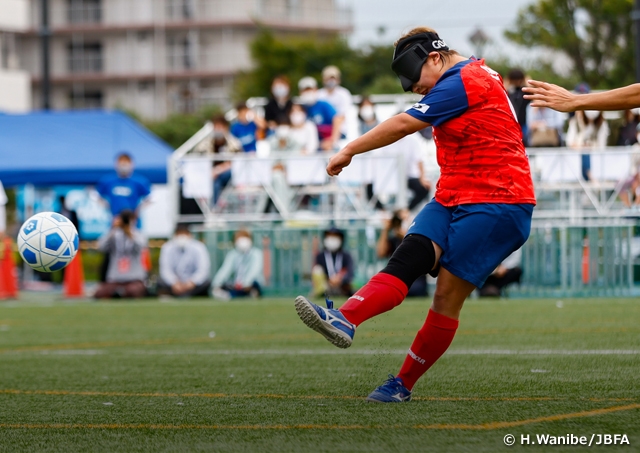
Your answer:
<point x="332" y="243"/>
<point x="298" y="118"/>
<point x="282" y="132"/>
<point x="124" y="170"/>
<point x="182" y="240"/>
<point x="367" y="113"/>
<point x="592" y="114"/>
<point x="243" y="244"/>
<point x="309" y="97"/>
<point x="249" y="116"/>
<point x="280" y="91"/>
<point x="330" y="83"/>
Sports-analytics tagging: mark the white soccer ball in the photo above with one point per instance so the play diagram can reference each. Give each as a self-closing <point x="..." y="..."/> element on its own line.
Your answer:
<point x="48" y="241"/>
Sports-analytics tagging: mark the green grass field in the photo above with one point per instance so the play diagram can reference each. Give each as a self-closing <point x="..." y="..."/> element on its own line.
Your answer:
<point x="249" y="376"/>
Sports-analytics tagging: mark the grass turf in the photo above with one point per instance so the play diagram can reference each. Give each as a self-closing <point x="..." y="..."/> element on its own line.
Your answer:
<point x="249" y="376"/>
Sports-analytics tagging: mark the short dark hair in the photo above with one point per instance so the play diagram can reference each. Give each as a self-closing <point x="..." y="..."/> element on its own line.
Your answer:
<point x="515" y="74"/>
<point x="182" y="228"/>
<point x="127" y="216"/>
<point x="124" y="155"/>
<point x="241" y="106"/>
<point x="219" y="119"/>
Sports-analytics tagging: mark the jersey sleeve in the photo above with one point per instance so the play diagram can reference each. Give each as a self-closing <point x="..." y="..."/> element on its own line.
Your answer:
<point x="447" y="100"/>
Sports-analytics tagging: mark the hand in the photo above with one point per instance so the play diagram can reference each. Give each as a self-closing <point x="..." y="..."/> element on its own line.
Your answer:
<point x="327" y="144"/>
<point x="338" y="162"/>
<point x="336" y="280"/>
<point x="545" y="94"/>
<point x="425" y="183"/>
<point x="177" y="288"/>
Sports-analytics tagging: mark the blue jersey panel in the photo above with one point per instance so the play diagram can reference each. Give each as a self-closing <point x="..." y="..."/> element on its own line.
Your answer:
<point x="321" y="113"/>
<point x="446" y="100"/>
<point x="246" y="134"/>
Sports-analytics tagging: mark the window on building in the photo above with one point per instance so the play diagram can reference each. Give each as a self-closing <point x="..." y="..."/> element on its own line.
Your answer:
<point x="179" y="53"/>
<point x="86" y="99"/>
<point x="85" y="57"/>
<point x="180" y="9"/>
<point x="84" y="11"/>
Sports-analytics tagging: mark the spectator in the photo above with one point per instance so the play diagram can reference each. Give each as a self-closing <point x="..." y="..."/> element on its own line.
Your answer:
<point x="124" y="190"/>
<point x="222" y="142"/>
<point x="321" y="113"/>
<point x="627" y="134"/>
<point x="278" y="107"/>
<point x="241" y="273"/>
<point x="390" y="238"/>
<point x="303" y="133"/>
<point x="125" y="274"/>
<point x="336" y="95"/>
<point x="515" y="82"/>
<point x="281" y="140"/>
<point x="587" y="130"/>
<point x="508" y="272"/>
<point x="184" y="266"/>
<point x="332" y="273"/>
<point x="367" y="115"/>
<point x="544" y="127"/>
<point x="246" y="128"/>
<point x="631" y="184"/>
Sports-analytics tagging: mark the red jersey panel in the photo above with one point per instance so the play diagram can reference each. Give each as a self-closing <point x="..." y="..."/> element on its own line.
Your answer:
<point x="479" y="142"/>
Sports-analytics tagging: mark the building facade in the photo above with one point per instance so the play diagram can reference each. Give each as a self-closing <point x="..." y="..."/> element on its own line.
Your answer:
<point x="15" y="83"/>
<point x="156" y="57"/>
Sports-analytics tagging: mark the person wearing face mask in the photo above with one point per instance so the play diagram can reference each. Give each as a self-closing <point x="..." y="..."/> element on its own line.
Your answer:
<point x="279" y="105"/>
<point x="280" y="140"/>
<point x="303" y="133"/>
<point x="222" y="142"/>
<point x="241" y="273"/>
<point x="246" y="128"/>
<point x="332" y="273"/>
<point x="366" y="115"/>
<point x="124" y="190"/>
<point x="587" y="130"/>
<point x="335" y="94"/>
<point x="321" y="113"/>
<point x="630" y="186"/>
<point x="184" y="266"/>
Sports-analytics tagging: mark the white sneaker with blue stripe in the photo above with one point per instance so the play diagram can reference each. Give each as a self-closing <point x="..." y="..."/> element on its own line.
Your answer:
<point x="392" y="391"/>
<point x="328" y="322"/>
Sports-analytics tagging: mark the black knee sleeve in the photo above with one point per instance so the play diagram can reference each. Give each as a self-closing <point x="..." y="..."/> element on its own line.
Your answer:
<point x="414" y="257"/>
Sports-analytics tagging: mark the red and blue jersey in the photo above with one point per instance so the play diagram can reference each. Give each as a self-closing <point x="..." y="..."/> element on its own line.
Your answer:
<point x="478" y="138"/>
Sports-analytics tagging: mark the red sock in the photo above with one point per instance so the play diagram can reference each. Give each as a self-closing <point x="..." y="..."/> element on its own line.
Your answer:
<point x="382" y="293"/>
<point x="432" y="341"/>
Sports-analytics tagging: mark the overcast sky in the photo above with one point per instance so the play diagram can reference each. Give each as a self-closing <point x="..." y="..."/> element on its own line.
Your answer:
<point x="455" y="21"/>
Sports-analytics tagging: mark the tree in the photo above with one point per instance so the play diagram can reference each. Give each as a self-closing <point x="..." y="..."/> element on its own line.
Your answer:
<point x="363" y="70"/>
<point x="595" y="35"/>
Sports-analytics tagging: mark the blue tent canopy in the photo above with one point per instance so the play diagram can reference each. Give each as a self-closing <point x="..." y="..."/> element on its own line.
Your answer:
<point x="75" y="147"/>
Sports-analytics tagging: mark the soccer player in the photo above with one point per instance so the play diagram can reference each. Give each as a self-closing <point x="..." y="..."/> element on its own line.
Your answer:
<point x="481" y="212"/>
<point x="545" y="94"/>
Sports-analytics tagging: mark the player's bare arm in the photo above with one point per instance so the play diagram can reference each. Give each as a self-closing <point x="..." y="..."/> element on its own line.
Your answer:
<point x="384" y="134"/>
<point x="545" y="94"/>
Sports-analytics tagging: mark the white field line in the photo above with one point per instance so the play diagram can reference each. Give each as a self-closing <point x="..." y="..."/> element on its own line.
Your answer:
<point x="301" y="352"/>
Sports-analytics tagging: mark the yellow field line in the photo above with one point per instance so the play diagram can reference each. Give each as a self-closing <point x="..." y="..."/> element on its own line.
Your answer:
<point x="482" y="427"/>
<point x="104" y="344"/>
<point x="280" y="396"/>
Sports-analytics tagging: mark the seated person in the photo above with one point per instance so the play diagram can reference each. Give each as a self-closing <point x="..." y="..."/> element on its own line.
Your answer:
<point x="246" y="128"/>
<point x="241" y="273"/>
<point x="303" y="132"/>
<point x="280" y="140"/>
<point x="508" y="272"/>
<point x="321" y="113"/>
<point x="125" y="273"/>
<point x="390" y="238"/>
<point x="184" y="266"/>
<point x="333" y="271"/>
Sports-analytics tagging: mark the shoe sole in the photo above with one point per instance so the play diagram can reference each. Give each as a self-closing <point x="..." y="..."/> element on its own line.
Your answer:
<point x="312" y="319"/>
<point x="372" y="400"/>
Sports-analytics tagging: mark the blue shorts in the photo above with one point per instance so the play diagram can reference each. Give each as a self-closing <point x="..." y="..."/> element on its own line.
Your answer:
<point x="475" y="238"/>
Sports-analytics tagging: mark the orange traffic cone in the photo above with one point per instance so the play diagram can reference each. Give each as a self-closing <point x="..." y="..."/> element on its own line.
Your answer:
<point x="145" y="258"/>
<point x="8" y="275"/>
<point x="74" y="278"/>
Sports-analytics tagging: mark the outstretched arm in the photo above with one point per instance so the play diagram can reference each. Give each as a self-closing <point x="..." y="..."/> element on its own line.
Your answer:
<point x="549" y="95"/>
<point x="383" y="134"/>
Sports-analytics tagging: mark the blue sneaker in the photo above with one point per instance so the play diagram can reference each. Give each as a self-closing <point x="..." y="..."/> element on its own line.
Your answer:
<point x="392" y="391"/>
<point x="328" y="322"/>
